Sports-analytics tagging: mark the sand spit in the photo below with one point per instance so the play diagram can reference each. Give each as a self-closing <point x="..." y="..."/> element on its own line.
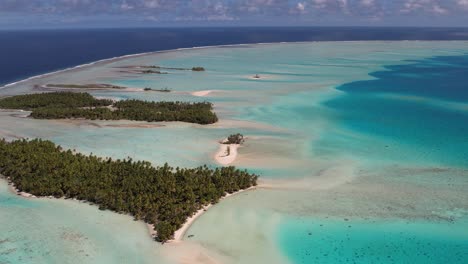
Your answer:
<point x="179" y="234"/>
<point x="135" y="125"/>
<point x="226" y="154"/>
<point x="202" y="93"/>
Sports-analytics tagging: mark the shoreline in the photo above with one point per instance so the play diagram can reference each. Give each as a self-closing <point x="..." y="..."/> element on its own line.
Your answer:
<point x="61" y="89"/>
<point x="202" y="93"/>
<point x="12" y="188"/>
<point x="179" y="233"/>
<point x="227" y="154"/>
<point x="135" y="55"/>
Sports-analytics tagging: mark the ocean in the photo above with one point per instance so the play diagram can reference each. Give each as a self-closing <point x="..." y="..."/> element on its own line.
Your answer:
<point x="361" y="147"/>
<point x="27" y="53"/>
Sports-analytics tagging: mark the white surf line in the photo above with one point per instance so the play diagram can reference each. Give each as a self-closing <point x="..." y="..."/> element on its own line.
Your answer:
<point x="117" y="58"/>
<point x="208" y="47"/>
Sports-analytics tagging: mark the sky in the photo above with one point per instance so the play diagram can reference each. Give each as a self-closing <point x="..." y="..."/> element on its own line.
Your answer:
<point x="154" y="13"/>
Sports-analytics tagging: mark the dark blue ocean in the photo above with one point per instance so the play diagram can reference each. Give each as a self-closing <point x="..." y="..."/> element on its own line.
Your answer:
<point x="28" y="53"/>
<point x="419" y="104"/>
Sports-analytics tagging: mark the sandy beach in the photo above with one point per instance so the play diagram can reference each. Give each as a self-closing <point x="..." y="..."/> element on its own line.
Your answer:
<point x="179" y="234"/>
<point x="202" y="93"/>
<point x="226" y="154"/>
<point x="13" y="189"/>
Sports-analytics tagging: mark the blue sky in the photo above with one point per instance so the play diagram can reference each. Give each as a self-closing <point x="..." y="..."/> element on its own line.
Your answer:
<point x="130" y="13"/>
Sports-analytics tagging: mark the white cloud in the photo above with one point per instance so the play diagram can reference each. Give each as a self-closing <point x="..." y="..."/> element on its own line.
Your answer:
<point x="320" y="4"/>
<point x="250" y="10"/>
<point x="367" y="3"/>
<point x="331" y="5"/>
<point x="301" y="6"/>
<point x="429" y="6"/>
<point x="436" y="9"/>
<point x="151" y="3"/>
<point x="124" y="6"/>
<point x="463" y="4"/>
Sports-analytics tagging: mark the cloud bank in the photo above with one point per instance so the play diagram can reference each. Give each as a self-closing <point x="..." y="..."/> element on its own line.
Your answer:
<point x="287" y="11"/>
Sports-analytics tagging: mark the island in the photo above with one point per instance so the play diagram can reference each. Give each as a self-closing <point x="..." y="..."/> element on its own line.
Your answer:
<point x="198" y="69"/>
<point x="71" y="105"/>
<point x="148" y="69"/>
<point x="164" y="197"/>
<point x="236" y="139"/>
<point x="227" y="152"/>
<point x="165" y="90"/>
<point x="91" y="86"/>
<point x="153" y="71"/>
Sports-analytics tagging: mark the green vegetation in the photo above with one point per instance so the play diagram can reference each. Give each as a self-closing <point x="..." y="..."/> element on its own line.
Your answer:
<point x="165" y="90"/>
<point x="153" y="71"/>
<point x="163" y="68"/>
<point x="198" y="69"/>
<point x="52" y="100"/>
<point x="85" y="86"/>
<point x="157" y="69"/>
<point x="234" y="139"/>
<point x="65" y="105"/>
<point x="163" y="196"/>
<point x="200" y="113"/>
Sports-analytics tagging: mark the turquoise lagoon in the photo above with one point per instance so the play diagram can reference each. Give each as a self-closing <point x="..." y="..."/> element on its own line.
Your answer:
<point x="344" y="241"/>
<point x="59" y="231"/>
<point x="362" y="148"/>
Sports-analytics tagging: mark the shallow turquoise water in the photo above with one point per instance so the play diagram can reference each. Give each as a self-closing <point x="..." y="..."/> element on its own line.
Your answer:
<point x="394" y="241"/>
<point x="58" y="231"/>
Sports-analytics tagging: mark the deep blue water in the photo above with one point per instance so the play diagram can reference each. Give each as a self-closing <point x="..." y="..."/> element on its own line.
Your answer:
<point x="28" y="53"/>
<point x="440" y="78"/>
<point x="421" y="104"/>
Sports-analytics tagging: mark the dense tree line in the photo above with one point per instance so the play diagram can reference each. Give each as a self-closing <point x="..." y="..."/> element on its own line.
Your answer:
<point x="200" y="113"/>
<point x="63" y="105"/>
<point x="55" y="100"/>
<point x="86" y="86"/>
<point x="195" y="68"/>
<point x="163" y="196"/>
